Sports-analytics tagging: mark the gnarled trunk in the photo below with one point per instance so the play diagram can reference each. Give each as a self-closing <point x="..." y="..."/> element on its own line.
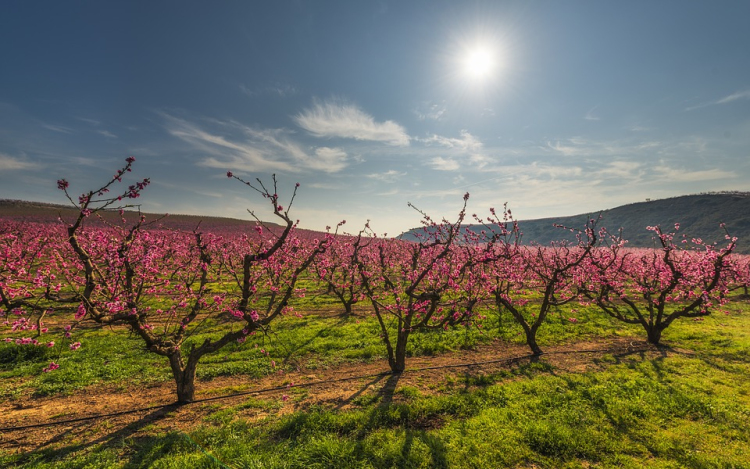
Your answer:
<point x="531" y="342"/>
<point x="654" y="334"/>
<point x="184" y="377"/>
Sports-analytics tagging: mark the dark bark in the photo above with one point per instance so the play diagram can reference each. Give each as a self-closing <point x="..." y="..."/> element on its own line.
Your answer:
<point x="184" y="377"/>
<point x="654" y="334"/>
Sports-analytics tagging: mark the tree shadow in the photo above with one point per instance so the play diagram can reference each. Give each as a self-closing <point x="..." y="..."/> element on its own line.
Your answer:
<point x="361" y="391"/>
<point x="144" y="455"/>
<point x="290" y="355"/>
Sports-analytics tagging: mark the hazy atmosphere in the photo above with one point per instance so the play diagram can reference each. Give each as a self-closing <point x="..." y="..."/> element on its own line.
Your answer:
<point x="557" y="108"/>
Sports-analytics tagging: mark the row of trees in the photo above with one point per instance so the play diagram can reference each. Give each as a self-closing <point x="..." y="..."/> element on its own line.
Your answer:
<point x="166" y="286"/>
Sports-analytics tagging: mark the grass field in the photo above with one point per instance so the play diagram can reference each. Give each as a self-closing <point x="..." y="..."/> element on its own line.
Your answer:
<point x="685" y="404"/>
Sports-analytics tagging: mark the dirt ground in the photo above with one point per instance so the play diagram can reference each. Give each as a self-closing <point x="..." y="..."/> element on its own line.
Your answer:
<point x="334" y="388"/>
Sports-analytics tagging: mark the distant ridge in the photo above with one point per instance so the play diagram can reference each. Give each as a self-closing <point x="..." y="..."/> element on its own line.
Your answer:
<point x="699" y="216"/>
<point x="21" y="210"/>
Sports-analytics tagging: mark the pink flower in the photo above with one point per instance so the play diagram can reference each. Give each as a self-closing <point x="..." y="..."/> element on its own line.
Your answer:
<point x="229" y="174"/>
<point x="130" y="159"/>
<point x="81" y="312"/>
<point x="52" y="366"/>
<point x="62" y="184"/>
<point x="284" y="397"/>
<point x="75" y="346"/>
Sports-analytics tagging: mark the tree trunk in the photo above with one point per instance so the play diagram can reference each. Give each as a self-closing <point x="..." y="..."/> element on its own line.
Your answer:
<point x="531" y="342"/>
<point x="184" y="377"/>
<point x="654" y="334"/>
<point x="398" y="363"/>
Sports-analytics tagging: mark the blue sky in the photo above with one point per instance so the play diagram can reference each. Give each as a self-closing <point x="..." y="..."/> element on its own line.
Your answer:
<point x="557" y="108"/>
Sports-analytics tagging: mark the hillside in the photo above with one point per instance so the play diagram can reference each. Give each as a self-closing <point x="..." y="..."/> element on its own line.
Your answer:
<point x="699" y="216"/>
<point x="20" y="210"/>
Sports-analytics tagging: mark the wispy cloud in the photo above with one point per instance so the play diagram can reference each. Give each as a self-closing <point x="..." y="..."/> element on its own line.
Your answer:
<point x="390" y="176"/>
<point x="106" y="133"/>
<point x="444" y="164"/>
<point x="431" y="111"/>
<point x="330" y="160"/>
<point x="9" y="163"/>
<point x="590" y="116"/>
<point x="337" y="119"/>
<point x="467" y="142"/>
<point x="682" y="175"/>
<point x="639" y="128"/>
<point x="242" y="148"/>
<point x="725" y="100"/>
<point x="281" y="90"/>
<point x="89" y="121"/>
<point x="58" y="128"/>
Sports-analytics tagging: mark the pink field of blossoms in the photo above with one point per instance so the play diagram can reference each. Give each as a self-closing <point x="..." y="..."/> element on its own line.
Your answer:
<point x="161" y="284"/>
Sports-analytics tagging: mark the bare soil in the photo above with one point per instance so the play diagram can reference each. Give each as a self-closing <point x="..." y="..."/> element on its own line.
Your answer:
<point x="278" y="394"/>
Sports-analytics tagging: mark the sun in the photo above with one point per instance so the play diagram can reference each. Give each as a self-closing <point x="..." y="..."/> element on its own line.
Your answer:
<point x="479" y="63"/>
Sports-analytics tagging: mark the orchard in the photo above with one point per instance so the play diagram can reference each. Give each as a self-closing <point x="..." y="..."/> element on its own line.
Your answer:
<point x="164" y="285"/>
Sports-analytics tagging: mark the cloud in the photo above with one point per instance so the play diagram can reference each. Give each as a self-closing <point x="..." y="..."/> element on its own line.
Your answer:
<point x="444" y="164"/>
<point x="281" y="90"/>
<point x="336" y="119"/>
<point x="58" y="128"/>
<point x="239" y="147"/>
<point x="467" y="142"/>
<point x="8" y="163"/>
<point x="325" y="186"/>
<point x="639" y="128"/>
<point x="488" y="112"/>
<point x="590" y="115"/>
<point x="725" y="100"/>
<point x="330" y="160"/>
<point x="581" y="147"/>
<point x="390" y="176"/>
<point x="734" y="97"/>
<point x="430" y="111"/>
<point x="106" y="133"/>
<point x="89" y="121"/>
<point x="682" y="175"/>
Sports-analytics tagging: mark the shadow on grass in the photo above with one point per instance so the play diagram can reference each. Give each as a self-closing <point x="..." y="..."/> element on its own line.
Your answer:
<point x="295" y="349"/>
<point x="143" y="453"/>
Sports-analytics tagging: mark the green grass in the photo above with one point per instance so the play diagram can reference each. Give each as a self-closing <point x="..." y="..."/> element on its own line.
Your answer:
<point x="115" y="357"/>
<point x="688" y="407"/>
<point x="662" y="412"/>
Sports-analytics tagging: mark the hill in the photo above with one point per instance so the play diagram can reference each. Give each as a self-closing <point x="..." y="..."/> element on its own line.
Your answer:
<point x="20" y="210"/>
<point x="699" y="216"/>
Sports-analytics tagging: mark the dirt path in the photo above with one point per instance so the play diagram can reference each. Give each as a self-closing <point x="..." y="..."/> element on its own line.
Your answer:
<point x="280" y="393"/>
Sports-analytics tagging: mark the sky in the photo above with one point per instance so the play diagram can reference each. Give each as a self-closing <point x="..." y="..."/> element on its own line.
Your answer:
<point x="555" y="108"/>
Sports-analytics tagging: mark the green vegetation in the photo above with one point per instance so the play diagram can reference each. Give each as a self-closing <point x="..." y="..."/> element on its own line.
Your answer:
<point x="312" y="341"/>
<point x="687" y="406"/>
